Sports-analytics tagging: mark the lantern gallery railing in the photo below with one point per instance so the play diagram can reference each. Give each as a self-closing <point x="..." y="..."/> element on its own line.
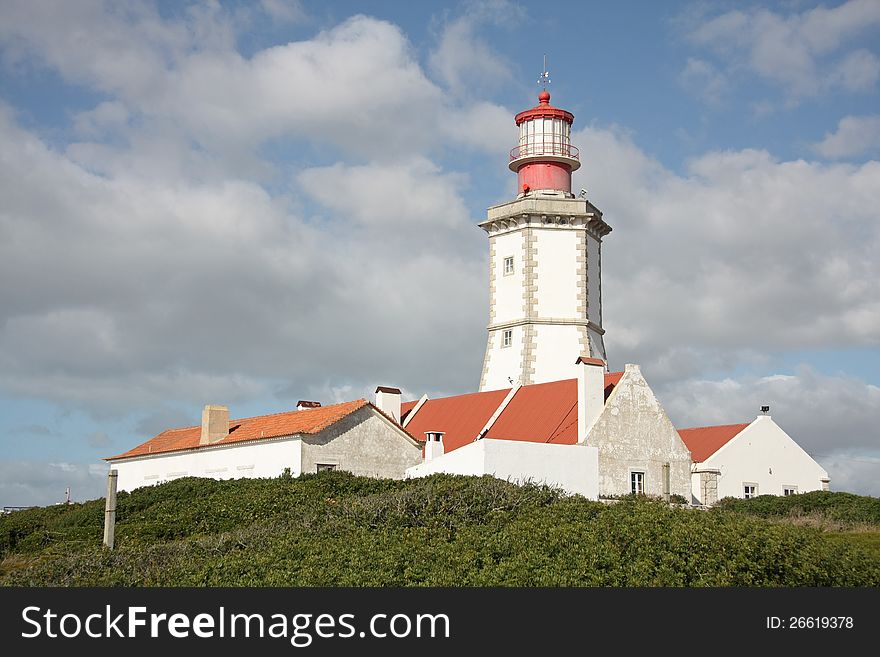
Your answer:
<point x="538" y="146"/>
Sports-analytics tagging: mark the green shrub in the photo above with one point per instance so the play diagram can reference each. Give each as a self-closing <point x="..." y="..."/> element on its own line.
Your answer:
<point x="333" y="529"/>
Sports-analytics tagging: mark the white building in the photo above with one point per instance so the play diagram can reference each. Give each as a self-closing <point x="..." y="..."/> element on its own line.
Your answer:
<point x="747" y="460"/>
<point x="354" y="436"/>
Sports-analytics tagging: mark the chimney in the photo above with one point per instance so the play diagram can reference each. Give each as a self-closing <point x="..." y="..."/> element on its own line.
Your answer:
<point x="433" y="445"/>
<point x="591" y="393"/>
<point x="303" y="405"/>
<point x="388" y="401"/>
<point x="215" y="424"/>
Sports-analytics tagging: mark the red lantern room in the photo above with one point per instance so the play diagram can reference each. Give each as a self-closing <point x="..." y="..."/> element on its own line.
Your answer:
<point x="545" y="157"/>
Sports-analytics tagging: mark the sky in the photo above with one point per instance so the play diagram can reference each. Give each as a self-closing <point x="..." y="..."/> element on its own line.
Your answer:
<point x="252" y="203"/>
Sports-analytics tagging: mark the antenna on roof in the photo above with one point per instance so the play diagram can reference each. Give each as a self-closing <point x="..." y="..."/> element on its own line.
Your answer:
<point x="544" y="78"/>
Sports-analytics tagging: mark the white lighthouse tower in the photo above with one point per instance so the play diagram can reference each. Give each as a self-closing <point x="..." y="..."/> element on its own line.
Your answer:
<point x="545" y="261"/>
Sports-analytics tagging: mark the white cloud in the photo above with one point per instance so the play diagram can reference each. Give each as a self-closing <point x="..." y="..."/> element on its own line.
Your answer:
<point x="796" y="51"/>
<point x="122" y="50"/>
<point x="284" y="11"/>
<point x="106" y="117"/>
<point x="859" y="71"/>
<point x="704" y="80"/>
<point x="855" y="135"/>
<point x="853" y="473"/>
<point x="348" y="87"/>
<point x="132" y="292"/>
<point x="27" y="483"/>
<point x="744" y="254"/>
<point x="362" y="195"/>
<point x="462" y="60"/>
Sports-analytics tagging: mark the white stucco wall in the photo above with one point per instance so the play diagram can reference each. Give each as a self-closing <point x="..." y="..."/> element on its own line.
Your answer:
<point x="504" y="361"/>
<point x="508" y="289"/>
<point x="765" y="455"/>
<point x="363" y="443"/>
<point x="573" y="468"/>
<point x="594" y="271"/>
<point x="556" y="273"/>
<point x="266" y="458"/>
<point x="634" y="434"/>
<point x="556" y="349"/>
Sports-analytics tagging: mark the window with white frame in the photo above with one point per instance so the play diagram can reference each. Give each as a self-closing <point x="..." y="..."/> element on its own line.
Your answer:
<point x="323" y="467"/>
<point x="637" y="481"/>
<point x="507" y="338"/>
<point x="789" y="490"/>
<point x="750" y="491"/>
<point x="508" y="265"/>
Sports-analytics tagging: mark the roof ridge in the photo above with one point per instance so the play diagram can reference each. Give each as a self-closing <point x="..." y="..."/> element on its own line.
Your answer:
<point x="255" y="417"/>
<point x="716" y="426"/>
<point x="305" y="410"/>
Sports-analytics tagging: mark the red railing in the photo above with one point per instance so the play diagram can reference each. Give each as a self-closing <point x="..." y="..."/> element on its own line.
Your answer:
<point x="544" y="147"/>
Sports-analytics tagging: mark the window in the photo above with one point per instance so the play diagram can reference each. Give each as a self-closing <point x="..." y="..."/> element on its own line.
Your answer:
<point x="323" y="467"/>
<point x="507" y="338"/>
<point x="789" y="490"/>
<point x="750" y="491"/>
<point x="508" y="265"/>
<point x="637" y="479"/>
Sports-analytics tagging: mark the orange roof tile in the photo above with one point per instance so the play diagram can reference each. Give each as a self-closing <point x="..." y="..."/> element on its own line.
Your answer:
<point x="543" y="412"/>
<point x="705" y="441"/>
<point x="288" y="423"/>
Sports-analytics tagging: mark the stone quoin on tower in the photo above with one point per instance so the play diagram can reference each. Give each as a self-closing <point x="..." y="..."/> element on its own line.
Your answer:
<point x="545" y="292"/>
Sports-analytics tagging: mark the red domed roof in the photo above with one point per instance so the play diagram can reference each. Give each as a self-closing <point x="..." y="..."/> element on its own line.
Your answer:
<point x="544" y="110"/>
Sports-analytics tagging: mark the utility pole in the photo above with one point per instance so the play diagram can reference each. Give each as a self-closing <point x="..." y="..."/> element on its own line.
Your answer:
<point x="110" y="510"/>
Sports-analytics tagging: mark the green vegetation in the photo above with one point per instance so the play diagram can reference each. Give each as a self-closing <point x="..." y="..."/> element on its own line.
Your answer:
<point x="846" y="518"/>
<point x="841" y="510"/>
<point x="333" y="529"/>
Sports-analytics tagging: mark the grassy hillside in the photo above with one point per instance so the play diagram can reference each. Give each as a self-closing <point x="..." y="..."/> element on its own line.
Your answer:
<point x="336" y="529"/>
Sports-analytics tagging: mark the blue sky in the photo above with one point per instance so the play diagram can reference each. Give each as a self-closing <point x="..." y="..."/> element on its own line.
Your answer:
<point x="254" y="203"/>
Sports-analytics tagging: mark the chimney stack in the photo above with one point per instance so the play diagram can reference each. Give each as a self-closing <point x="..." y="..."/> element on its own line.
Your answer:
<point x="433" y="445"/>
<point x="388" y="401"/>
<point x="303" y="405"/>
<point x="591" y="393"/>
<point x="215" y="424"/>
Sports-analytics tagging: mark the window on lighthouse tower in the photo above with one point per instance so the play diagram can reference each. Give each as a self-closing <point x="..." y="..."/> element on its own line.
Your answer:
<point x="508" y="265"/>
<point x="507" y="338"/>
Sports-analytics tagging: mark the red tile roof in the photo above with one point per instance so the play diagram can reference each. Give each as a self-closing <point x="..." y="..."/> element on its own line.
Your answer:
<point x="461" y="417"/>
<point x="705" y="441"/>
<point x="543" y="412"/>
<point x="540" y="413"/>
<point x="289" y="423"/>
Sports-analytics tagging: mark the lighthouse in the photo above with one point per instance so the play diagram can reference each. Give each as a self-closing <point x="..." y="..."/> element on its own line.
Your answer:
<point x="545" y="260"/>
